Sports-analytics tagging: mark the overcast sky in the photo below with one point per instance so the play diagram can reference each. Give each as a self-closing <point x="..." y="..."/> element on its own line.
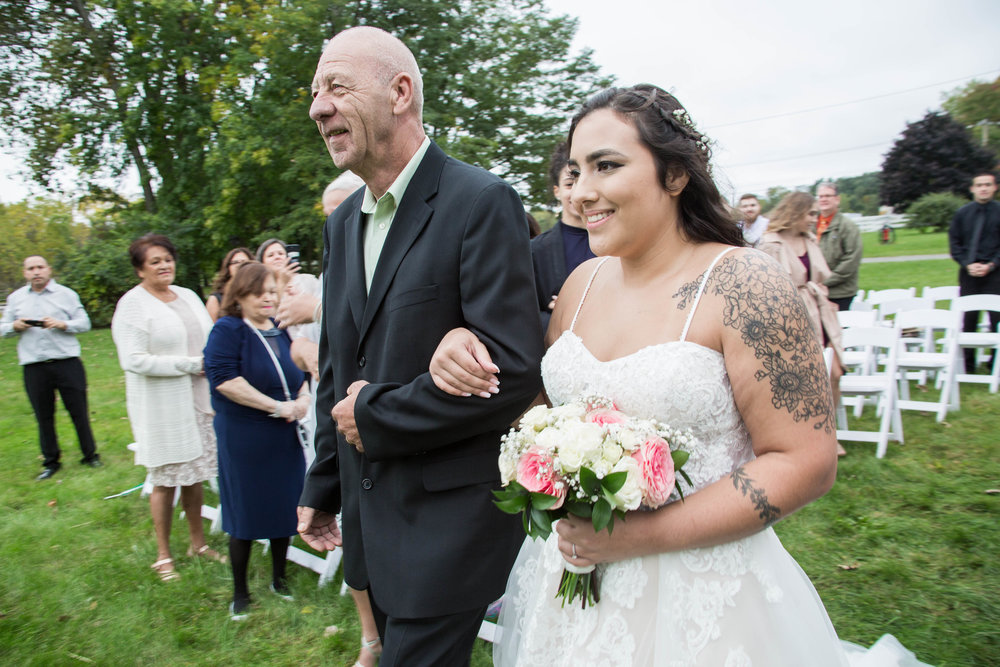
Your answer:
<point x="875" y="65"/>
<point x="867" y="67"/>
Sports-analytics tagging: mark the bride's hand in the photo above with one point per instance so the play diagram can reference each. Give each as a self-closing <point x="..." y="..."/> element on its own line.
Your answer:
<point x="461" y="366"/>
<point x="597" y="547"/>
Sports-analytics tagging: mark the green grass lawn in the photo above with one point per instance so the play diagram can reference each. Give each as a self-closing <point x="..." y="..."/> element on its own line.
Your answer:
<point x="906" y="545"/>
<point x="908" y="242"/>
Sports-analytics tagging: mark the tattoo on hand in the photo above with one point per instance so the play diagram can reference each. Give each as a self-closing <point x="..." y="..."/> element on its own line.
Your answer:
<point x="761" y="303"/>
<point x="765" y="510"/>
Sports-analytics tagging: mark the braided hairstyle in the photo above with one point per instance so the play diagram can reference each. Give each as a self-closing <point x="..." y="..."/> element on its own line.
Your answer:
<point x="666" y="129"/>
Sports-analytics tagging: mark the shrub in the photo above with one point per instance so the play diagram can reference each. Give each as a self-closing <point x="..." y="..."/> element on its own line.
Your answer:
<point x="934" y="211"/>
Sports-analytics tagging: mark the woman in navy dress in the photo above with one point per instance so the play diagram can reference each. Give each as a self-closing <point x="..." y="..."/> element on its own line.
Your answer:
<point x="261" y="463"/>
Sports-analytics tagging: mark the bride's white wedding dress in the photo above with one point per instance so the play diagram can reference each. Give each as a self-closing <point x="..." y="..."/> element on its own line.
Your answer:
<point x="738" y="604"/>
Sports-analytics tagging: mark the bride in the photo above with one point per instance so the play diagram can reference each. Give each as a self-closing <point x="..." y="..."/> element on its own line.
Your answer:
<point x="676" y="321"/>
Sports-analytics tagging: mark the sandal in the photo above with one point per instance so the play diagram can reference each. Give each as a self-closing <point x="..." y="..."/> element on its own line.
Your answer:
<point x="205" y="551"/>
<point x="373" y="646"/>
<point x="165" y="569"/>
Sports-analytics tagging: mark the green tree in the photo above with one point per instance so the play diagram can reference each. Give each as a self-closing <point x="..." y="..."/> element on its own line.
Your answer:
<point x="858" y="194"/>
<point x="38" y="227"/>
<point x="977" y="106"/>
<point x="208" y="102"/>
<point x="932" y="155"/>
<point x="934" y="211"/>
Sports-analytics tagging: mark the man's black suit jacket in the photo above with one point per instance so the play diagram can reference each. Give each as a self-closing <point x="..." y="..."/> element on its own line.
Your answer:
<point x="420" y="528"/>
<point x="549" y="261"/>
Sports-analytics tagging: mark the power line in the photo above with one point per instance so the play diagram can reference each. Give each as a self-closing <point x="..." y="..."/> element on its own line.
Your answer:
<point x="841" y="104"/>
<point x="800" y="157"/>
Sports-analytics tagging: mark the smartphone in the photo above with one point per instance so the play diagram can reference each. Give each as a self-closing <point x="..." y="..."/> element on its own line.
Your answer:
<point x="293" y="253"/>
<point x="34" y="323"/>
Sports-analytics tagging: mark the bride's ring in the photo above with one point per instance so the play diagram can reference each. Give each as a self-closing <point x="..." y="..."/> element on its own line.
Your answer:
<point x="574" y="552"/>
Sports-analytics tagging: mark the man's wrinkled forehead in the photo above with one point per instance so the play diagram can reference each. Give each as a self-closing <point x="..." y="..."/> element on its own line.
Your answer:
<point x="35" y="262"/>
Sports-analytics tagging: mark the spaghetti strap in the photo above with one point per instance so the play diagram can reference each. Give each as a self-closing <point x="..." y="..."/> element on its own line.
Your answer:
<point x="586" y="291"/>
<point x="701" y="289"/>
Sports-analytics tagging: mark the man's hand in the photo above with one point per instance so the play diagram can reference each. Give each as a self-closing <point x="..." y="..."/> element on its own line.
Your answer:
<point x="319" y="529"/>
<point x="296" y="309"/>
<point x="343" y="414"/>
<point x="20" y="325"/>
<point x="53" y="323"/>
<point x="979" y="269"/>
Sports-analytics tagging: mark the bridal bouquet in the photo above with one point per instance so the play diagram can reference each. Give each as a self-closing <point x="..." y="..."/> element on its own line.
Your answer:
<point x="588" y="459"/>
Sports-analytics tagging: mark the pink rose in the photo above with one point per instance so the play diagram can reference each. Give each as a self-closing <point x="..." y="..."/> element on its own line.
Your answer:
<point x="603" y="417"/>
<point x="657" y="470"/>
<point x="536" y="473"/>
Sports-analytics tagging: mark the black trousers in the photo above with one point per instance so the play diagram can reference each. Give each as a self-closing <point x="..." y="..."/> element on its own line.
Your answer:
<point x="442" y="641"/>
<point x="843" y="303"/>
<point x="988" y="284"/>
<point x="41" y="381"/>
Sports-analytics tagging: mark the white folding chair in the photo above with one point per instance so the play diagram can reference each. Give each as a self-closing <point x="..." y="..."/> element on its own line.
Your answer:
<point x="855" y="361"/>
<point x="856" y="318"/>
<point x="875" y="298"/>
<point x="880" y="384"/>
<point x="929" y="359"/>
<point x="980" y="340"/>
<point x="946" y="293"/>
<point x="888" y="309"/>
<point x="859" y="305"/>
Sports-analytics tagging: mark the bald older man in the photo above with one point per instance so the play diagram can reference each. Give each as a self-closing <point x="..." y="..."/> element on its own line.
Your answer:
<point x="430" y="244"/>
<point x="46" y="317"/>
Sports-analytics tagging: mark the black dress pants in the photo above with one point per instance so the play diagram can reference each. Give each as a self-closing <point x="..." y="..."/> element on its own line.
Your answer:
<point x="41" y="380"/>
<point x="988" y="284"/>
<point x="443" y="641"/>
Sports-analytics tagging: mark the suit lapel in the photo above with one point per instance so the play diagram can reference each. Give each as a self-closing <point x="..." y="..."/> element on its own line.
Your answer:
<point x="411" y="217"/>
<point x="354" y="258"/>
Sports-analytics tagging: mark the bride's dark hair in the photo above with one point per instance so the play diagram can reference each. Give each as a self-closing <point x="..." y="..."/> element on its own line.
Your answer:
<point x="665" y="128"/>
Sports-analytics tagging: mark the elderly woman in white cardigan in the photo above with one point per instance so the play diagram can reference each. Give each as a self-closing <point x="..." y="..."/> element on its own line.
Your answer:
<point x="160" y="330"/>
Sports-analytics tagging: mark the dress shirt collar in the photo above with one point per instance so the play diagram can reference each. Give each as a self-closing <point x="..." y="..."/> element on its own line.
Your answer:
<point x="398" y="187"/>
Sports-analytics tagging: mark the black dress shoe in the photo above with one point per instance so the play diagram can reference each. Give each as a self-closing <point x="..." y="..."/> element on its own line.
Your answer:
<point x="45" y="474"/>
<point x="94" y="463"/>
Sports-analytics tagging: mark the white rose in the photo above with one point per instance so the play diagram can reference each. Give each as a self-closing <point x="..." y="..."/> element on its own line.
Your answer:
<point x="535" y="418"/>
<point x="550" y="438"/>
<point x="568" y="412"/>
<point x="508" y="466"/>
<point x="611" y="451"/>
<point x="629" y="439"/>
<point x="580" y="445"/>
<point x="629" y="497"/>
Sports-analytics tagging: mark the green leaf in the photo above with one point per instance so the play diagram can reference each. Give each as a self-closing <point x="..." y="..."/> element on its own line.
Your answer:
<point x="512" y="505"/>
<point x="679" y="457"/>
<point x="542" y="521"/>
<point x="602" y="514"/>
<point x="589" y="482"/>
<point x="576" y="508"/>
<point x="543" y="501"/>
<point x="615" y="481"/>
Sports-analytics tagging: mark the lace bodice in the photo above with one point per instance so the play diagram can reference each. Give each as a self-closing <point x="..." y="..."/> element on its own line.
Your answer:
<point x="680" y="383"/>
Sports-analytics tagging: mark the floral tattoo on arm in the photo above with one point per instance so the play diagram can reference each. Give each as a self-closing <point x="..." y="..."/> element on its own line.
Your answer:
<point x="767" y="512"/>
<point x="761" y="303"/>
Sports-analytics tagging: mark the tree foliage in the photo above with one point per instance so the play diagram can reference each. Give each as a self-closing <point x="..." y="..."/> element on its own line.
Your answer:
<point x="977" y="106"/>
<point x="932" y="155"/>
<point x="934" y="211"/>
<point x="37" y="227"/>
<point x="207" y="102"/>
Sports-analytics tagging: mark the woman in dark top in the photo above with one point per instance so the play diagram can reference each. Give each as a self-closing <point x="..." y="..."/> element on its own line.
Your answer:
<point x="232" y="261"/>
<point x="261" y="464"/>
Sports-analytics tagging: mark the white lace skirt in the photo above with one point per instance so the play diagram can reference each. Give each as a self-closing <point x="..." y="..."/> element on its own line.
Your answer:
<point x="735" y="605"/>
<point x="203" y="468"/>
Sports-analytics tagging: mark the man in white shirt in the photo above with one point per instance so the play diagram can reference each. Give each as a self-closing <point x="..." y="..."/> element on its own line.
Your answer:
<point x="754" y="224"/>
<point x="46" y="317"/>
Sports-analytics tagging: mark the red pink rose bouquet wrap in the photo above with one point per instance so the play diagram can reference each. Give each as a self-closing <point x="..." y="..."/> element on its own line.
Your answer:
<point x="591" y="460"/>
